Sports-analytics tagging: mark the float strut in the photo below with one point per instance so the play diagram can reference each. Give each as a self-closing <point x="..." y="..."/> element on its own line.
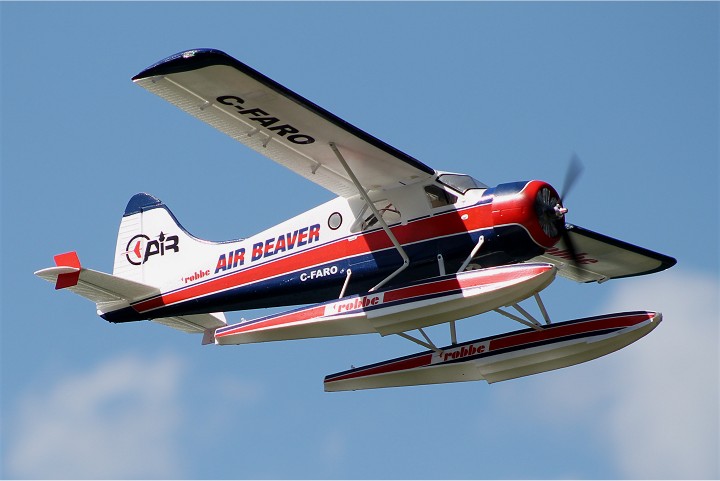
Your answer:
<point x="429" y="344"/>
<point x="518" y="319"/>
<point x="542" y="308"/>
<point x="348" y="273"/>
<point x="453" y="333"/>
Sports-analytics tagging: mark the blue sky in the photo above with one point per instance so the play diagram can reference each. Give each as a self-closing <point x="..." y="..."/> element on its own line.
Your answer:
<point x="503" y="91"/>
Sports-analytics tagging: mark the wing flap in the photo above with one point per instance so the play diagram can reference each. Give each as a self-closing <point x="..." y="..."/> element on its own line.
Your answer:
<point x="278" y="123"/>
<point x="601" y="258"/>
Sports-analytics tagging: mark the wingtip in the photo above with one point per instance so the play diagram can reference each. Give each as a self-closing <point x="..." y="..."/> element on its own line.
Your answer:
<point x="184" y="61"/>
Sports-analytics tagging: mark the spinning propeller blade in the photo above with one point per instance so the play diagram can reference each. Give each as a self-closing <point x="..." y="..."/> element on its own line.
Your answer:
<point x="572" y="174"/>
<point x="574" y="169"/>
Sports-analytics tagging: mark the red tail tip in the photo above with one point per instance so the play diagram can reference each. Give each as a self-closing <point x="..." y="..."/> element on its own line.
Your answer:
<point x="68" y="259"/>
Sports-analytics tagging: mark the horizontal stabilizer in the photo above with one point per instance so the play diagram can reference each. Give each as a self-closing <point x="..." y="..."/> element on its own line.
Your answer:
<point x="194" y="323"/>
<point x="110" y="293"/>
<point x="600" y="258"/>
<point x="107" y="291"/>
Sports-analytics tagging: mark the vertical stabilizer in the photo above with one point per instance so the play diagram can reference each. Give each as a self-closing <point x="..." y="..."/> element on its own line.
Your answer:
<point x="153" y="248"/>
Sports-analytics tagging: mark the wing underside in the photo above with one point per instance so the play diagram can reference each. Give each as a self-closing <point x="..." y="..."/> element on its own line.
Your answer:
<point x="600" y="258"/>
<point x="278" y="123"/>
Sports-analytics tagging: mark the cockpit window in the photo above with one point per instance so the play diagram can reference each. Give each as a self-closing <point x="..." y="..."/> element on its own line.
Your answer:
<point x="460" y="183"/>
<point x="367" y="220"/>
<point x="438" y="197"/>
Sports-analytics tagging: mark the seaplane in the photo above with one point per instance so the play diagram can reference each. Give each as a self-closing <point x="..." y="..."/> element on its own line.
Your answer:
<point x="401" y="247"/>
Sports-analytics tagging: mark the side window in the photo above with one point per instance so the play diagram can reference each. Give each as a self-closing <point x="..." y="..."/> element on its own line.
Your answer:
<point x="439" y="197"/>
<point x="388" y="212"/>
<point x="460" y="182"/>
<point x="366" y="219"/>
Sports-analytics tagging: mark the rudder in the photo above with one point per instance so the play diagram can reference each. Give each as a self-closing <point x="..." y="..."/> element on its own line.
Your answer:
<point x="153" y="248"/>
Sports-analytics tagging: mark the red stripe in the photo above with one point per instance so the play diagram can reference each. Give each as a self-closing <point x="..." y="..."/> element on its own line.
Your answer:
<point x="563" y="331"/>
<point x="421" y="290"/>
<point x="423" y="229"/>
<point x="479" y="278"/>
<point x="281" y="319"/>
<point x="404" y="364"/>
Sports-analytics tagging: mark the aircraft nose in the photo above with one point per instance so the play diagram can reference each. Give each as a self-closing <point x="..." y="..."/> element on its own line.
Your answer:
<point x="534" y="205"/>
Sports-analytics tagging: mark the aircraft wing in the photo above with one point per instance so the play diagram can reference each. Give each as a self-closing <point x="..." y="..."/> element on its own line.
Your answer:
<point x="280" y="124"/>
<point x="600" y="258"/>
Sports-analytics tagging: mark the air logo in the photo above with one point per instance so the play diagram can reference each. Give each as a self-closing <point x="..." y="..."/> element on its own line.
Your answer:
<point x="141" y="248"/>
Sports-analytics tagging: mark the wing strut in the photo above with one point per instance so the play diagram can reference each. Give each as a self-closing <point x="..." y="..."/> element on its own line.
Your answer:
<point x="366" y="197"/>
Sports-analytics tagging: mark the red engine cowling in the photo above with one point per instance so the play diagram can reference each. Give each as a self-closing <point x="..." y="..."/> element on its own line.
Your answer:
<point x="533" y="205"/>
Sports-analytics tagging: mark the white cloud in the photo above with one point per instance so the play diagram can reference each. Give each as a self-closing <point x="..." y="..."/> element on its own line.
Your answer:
<point x="236" y="392"/>
<point x="117" y="420"/>
<point x="666" y="424"/>
<point x="653" y="404"/>
<point x="333" y="450"/>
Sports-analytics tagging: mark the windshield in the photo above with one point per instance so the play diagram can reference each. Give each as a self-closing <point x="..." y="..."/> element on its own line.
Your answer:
<point x="461" y="183"/>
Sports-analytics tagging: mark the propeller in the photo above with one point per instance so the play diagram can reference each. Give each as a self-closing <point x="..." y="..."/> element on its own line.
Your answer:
<point x="574" y="169"/>
<point x="572" y="174"/>
<point x="551" y="212"/>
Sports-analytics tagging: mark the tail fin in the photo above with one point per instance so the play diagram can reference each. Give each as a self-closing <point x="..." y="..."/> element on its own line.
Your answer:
<point x="154" y="254"/>
<point x="154" y="249"/>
